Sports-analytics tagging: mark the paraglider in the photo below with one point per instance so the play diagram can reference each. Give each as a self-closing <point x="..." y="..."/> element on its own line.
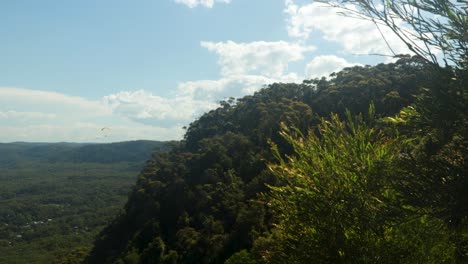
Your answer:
<point x="104" y="129"/>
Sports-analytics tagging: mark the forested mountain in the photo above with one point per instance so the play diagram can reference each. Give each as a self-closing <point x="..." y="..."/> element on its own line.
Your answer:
<point x="54" y="198"/>
<point x="366" y="166"/>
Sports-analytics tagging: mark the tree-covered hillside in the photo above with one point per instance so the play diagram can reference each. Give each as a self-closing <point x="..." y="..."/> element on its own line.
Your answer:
<point x="367" y="166"/>
<point x="54" y="198"/>
<point x="213" y="197"/>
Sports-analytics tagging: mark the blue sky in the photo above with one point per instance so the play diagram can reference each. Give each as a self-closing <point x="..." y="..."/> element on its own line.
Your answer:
<point x="147" y="68"/>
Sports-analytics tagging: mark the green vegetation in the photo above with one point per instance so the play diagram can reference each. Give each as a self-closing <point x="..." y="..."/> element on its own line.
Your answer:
<point x="54" y="199"/>
<point x="366" y="166"/>
<point x="331" y="191"/>
<point x="341" y="201"/>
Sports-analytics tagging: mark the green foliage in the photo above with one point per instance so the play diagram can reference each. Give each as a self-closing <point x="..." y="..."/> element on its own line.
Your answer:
<point x="434" y="163"/>
<point x="201" y="202"/>
<point x="433" y="174"/>
<point x="338" y="204"/>
<point x="241" y="257"/>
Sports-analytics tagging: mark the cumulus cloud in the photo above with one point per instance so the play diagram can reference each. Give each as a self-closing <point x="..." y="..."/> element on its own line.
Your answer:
<point x="324" y="65"/>
<point x="245" y="68"/>
<point x="143" y="106"/>
<point x="205" y="3"/>
<point x="43" y="116"/>
<point x="263" y="58"/>
<point x="354" y="35"/>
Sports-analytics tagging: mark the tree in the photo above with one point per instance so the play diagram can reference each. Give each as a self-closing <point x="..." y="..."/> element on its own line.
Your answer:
<point x="440" y="111"/>
<point x="338" y="202"/>
<point x="434" y="177"/>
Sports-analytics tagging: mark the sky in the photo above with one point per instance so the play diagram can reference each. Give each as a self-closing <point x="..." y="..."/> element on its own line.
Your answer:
<point x="117" y="70"/>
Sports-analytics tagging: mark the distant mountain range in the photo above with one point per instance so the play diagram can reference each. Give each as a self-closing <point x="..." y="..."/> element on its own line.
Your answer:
<point x="12" y="153"/>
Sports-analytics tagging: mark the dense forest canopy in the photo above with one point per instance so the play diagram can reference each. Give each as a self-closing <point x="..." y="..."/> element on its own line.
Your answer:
<point x="207" y="200"/>
<point x="55" y="197"/>
<point x="366" y="166"/>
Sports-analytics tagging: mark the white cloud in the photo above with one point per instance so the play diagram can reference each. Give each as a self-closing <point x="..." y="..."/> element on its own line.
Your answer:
<point x="205" y="3"/>
<point x="43" y="116"/>
<point x="354" y="35"/>
<point x="324" y="65"/>
<point x="245" y="69"/>
<point x="269" y="59"/>
<point x="143" y="106"/>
